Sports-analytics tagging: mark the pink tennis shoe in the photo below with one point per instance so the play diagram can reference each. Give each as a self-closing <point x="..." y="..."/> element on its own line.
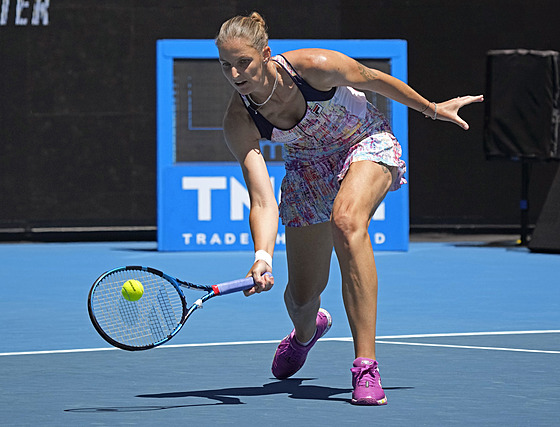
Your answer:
<point x="367" y="383"/>
<point x="290" y="354"/>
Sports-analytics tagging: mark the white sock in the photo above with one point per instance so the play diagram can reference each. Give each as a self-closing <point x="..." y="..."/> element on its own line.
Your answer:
<point x="305" y="344"/>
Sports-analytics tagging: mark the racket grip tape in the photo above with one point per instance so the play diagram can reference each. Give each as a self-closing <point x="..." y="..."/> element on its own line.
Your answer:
<point x="233" y="286"/>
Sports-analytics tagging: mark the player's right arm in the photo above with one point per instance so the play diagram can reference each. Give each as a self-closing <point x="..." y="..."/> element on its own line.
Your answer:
<point x="242" y="138"/>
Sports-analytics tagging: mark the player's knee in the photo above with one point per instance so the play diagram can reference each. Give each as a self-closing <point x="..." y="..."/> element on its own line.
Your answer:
<point x="346" y="224"/>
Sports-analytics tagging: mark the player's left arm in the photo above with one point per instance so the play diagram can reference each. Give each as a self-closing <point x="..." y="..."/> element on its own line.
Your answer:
<point x="330" y="68"/>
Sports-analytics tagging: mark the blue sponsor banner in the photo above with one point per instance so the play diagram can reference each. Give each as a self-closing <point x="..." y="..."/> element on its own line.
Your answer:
<point x="204" y="205"/>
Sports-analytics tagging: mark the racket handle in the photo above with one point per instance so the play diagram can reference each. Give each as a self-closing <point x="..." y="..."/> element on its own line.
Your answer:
<point x="234" y="286"/>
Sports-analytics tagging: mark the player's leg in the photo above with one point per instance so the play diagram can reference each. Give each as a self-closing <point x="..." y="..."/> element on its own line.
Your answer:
<point x="309" y="251"/>
<point x="362" y="190"/>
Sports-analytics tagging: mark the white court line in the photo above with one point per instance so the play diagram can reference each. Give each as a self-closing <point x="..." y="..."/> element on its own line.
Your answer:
<point x="472" y="347"/>
<point x="343" y="339"/>
<point x="472" y="334"/>
<point x="87" y="350"/>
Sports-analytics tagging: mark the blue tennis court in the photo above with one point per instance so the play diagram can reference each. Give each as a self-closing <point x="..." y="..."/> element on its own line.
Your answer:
<point x="467" y="333"/>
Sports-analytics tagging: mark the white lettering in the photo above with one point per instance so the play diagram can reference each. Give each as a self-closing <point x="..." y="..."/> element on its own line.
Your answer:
<point x="231" y="239"/>
<point x="218" y="239"/>
<point x="4" y="12"/>
<point x="379" y="238"/>
<point x="239" y="199"/>
<point x="20" y="5"/>
<point x="215" y="239"/>
<point x="39" y="15"/>
<point x="204" y="186"/>
<point x="379" y="214"/>
<point x="40" y="12"/>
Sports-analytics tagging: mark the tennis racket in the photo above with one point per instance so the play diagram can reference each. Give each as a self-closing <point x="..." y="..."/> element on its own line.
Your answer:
<point x="157" y="316"/>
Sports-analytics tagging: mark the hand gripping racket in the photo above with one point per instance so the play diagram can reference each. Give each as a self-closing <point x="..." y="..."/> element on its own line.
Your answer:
<point x="157" y="316"/>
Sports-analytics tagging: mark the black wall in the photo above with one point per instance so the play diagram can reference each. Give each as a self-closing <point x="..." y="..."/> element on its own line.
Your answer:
<point x="77" y="101"/>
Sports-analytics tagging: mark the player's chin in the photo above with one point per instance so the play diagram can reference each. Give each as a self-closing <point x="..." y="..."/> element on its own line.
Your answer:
<point x="244" y="88"/>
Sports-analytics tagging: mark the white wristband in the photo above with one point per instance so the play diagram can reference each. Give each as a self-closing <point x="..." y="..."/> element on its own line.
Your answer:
<point x="262" y="255"/>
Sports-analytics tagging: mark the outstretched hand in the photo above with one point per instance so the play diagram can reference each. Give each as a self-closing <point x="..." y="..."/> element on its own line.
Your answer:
<point x="449" y="110"/>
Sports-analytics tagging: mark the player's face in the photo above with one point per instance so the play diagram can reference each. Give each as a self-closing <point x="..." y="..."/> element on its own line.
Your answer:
<point x="242" y="65"/>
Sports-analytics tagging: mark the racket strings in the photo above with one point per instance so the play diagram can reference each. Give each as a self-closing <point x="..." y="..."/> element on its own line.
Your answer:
<point x="148" y="321"/>
<point x="166" y="308"/>
<point x="128" y="312"/>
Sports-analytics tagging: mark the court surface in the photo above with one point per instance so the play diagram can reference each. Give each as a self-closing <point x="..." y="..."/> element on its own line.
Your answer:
<point x="468" y="333"/>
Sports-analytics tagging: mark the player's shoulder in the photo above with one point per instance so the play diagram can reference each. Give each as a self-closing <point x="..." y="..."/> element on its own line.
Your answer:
<point x="318" y="67"/>
<point x="311" y="59"/>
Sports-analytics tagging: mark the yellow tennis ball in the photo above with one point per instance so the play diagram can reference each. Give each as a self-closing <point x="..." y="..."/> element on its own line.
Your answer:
<point x="132" y="290"/>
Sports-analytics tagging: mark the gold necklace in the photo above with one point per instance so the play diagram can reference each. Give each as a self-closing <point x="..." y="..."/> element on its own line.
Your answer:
<point x="271" y="93"/>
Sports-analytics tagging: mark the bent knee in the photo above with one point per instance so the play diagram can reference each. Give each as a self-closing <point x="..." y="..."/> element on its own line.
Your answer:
<point x="347" y="227"/>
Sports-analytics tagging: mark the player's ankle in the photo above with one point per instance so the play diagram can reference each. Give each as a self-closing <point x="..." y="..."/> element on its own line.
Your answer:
<point x="306" y="343"/>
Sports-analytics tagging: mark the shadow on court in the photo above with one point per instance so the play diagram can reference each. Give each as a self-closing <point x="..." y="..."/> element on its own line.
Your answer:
<point x="293" y="388"/>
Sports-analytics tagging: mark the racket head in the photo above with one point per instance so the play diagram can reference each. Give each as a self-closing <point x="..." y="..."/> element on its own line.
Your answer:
<point x="136" y="325"/>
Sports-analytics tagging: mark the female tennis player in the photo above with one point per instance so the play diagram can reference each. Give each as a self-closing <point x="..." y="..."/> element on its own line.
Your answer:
<point x="341" y="159"/>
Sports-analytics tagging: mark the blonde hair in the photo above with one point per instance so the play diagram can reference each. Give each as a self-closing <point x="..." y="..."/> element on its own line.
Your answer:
<point x="251" y="28"/>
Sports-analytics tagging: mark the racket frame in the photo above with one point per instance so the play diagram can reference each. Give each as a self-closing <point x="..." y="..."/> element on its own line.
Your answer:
<point x="212" y="291"/>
